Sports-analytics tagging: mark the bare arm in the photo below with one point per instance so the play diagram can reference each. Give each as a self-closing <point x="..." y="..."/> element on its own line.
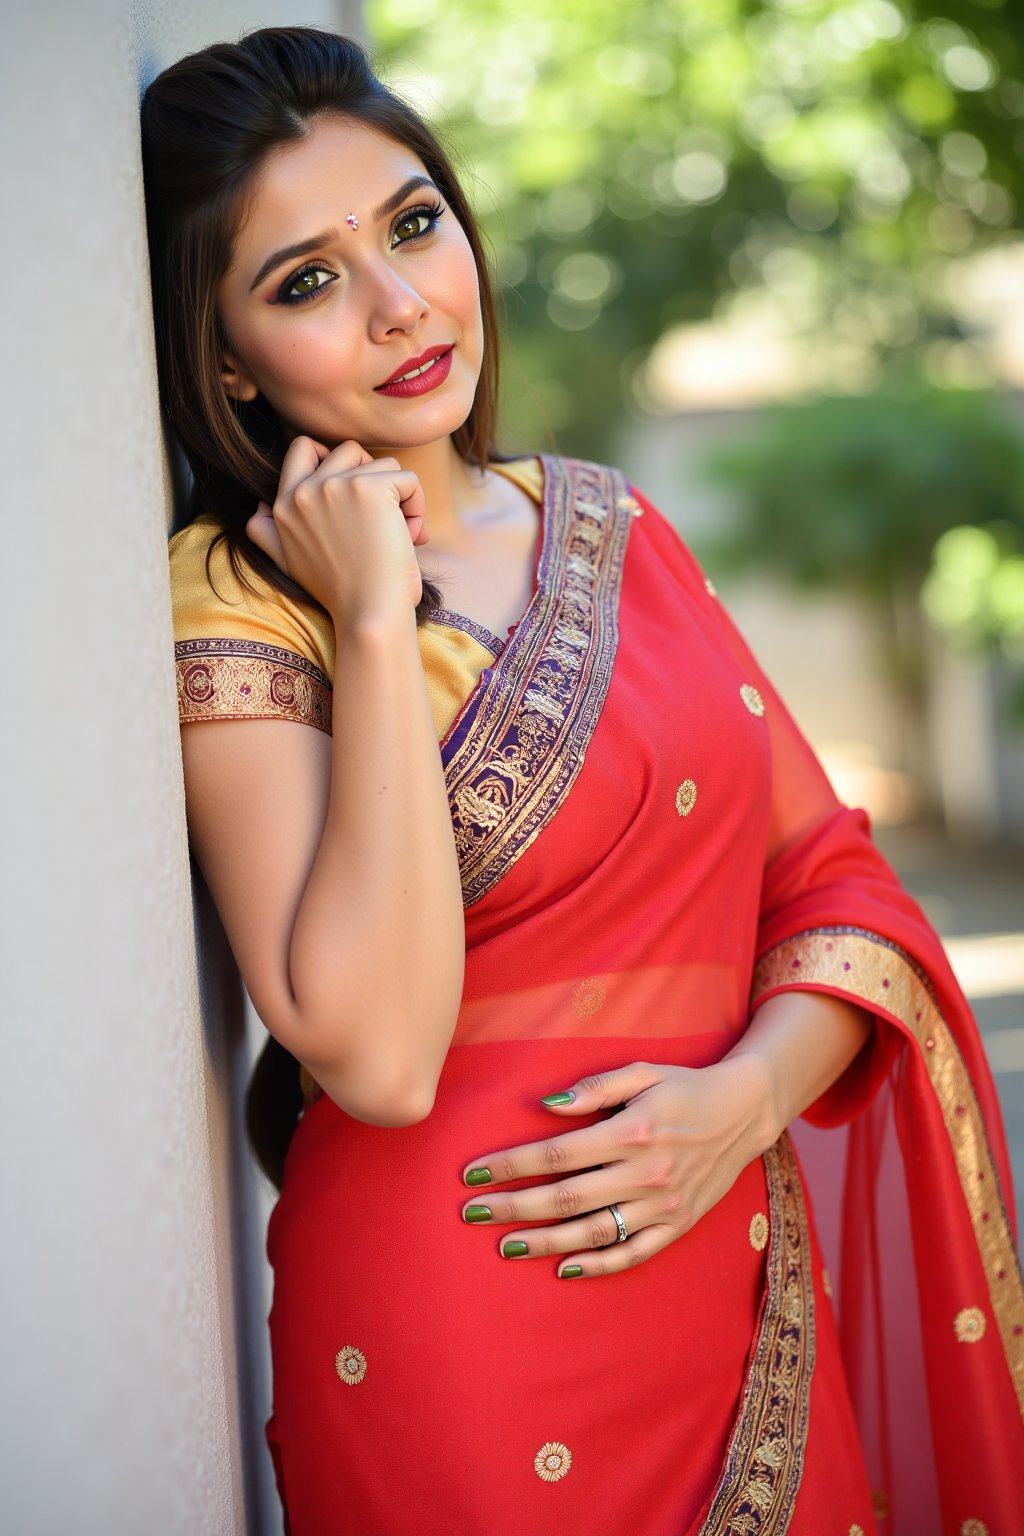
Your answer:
<point x="334" y="870"/>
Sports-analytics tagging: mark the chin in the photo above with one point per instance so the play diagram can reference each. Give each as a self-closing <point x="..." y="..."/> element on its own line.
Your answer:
<point x="441" y="427"/>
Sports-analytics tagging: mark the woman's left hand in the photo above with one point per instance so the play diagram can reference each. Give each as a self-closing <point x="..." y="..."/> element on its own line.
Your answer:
<point x="678" y="1143"/>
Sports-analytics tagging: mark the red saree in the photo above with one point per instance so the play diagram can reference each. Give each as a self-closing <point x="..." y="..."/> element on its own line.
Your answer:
<point x="648" y="848"/>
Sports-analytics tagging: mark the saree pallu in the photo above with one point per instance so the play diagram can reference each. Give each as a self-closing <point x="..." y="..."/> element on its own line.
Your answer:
<point x="649" y="850"/>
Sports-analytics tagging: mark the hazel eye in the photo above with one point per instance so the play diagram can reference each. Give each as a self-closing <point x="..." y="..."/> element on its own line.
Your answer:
<point x="416" y="223"/>
<point x="412" y="224"/>
<point x="304" y="284"/>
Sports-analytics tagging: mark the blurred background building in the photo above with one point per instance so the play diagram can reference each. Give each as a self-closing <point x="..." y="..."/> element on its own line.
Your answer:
<point x="766" y="256"/>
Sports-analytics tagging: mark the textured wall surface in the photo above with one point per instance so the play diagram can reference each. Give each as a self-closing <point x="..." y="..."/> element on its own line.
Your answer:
<point x="133" y="1289"/>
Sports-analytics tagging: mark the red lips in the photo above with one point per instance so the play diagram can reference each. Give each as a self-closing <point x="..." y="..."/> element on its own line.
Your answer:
<point x="416" y="362"/>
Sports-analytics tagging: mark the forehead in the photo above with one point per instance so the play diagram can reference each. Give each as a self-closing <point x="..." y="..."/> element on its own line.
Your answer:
<point x="340" y="167"/>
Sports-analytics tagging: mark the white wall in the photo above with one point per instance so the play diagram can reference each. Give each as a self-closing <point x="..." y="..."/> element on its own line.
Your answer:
<point x="134" y="1375"/>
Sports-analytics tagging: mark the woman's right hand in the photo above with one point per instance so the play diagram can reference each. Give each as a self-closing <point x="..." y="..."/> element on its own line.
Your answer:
<point x="343" y="525"/>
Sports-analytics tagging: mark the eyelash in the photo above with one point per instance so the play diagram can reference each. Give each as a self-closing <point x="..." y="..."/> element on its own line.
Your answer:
<point x="430" y="211"/>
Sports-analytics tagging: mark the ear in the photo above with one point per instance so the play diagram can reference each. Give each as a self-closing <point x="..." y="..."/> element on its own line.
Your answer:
<point x="237" y="383"/>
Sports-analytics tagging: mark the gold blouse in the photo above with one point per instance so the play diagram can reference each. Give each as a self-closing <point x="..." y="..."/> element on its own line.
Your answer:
<point x="240" y="656"/>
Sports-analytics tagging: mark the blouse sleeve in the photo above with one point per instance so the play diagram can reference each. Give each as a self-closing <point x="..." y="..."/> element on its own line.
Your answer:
<point x="242" y="655"/>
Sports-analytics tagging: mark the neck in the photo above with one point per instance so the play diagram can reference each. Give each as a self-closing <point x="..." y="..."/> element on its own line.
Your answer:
<point x="451" y="487"/>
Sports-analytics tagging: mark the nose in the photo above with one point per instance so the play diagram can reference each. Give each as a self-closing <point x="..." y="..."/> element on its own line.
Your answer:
<point x="396" y="305"/>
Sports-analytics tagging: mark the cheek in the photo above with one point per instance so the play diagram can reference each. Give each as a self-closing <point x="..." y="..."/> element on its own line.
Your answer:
<point x="461" y="291"/>
<point x="305" y="359"/>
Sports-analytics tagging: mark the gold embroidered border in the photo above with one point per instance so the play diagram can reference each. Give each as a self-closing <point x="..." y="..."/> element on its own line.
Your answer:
<point x="765" y="1459"/>
<point x="249" y="680"/>
<point x="540" y="707"/>
<point x="878" y="973"/>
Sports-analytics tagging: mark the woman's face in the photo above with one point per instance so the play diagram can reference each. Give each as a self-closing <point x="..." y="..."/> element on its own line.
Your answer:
<point x="317" y="331"/>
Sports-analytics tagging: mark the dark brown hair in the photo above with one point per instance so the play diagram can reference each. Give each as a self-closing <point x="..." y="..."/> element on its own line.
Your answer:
<point x="209" y="122"/>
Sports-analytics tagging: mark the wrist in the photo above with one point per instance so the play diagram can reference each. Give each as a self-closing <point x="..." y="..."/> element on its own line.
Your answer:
<point x="752" y="1089"/>
<point x="372" y="630"/>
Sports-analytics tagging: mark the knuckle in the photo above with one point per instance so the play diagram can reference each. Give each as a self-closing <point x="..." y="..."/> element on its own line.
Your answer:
<point x="554" y="1156"/>
<point x="542" y="1245"/>
<point x="639" y="1132"/>
<point x="510" y="1213"/>
<point x="596" y="1083"/>
<point x="508" y="1168"/>
<point x="302" y="498"/>
<point x="636" y="1257"/>
<point x="567" y="1200"/>
<point x="672" y="1203"/>
<point x="597" y="1237"/>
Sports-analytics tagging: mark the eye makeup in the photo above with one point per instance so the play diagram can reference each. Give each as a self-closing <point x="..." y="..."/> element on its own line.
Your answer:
<point x="431" y="212"/>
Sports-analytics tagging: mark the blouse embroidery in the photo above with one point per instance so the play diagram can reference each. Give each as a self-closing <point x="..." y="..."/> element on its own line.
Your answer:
<point x="248" y="679"/>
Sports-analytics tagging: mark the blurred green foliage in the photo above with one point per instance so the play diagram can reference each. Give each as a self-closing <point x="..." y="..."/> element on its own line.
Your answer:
<point x="638" y="166"/>
<point x="857" y="492"/>
<point x="975" y="588"/>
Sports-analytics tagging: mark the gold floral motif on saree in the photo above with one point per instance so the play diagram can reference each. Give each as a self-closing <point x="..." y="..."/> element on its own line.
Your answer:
<point x="532" y="721"/>
<point x="765" y="1458"/>
<point x="969" y="1325"/>
<point x="552" y="1461"/>
<point x="875" y="971"/>
<point x="752" y="699"/>
<point x="249" y="680"/>
<point x="686" y="797"/>
<point x="350" y="1364"/>
<point x="758" y="1232"/>
<point x="588" y="996"/>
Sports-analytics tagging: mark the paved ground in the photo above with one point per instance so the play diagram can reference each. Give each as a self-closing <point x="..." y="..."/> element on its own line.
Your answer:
<point x="968" y="894"/>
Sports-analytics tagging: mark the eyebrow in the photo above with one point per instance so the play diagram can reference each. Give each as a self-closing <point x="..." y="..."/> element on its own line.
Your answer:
<point x="303" y="247"/>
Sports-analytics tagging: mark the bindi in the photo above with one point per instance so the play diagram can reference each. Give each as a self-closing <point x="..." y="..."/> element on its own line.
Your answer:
<point x="353" y="221"/>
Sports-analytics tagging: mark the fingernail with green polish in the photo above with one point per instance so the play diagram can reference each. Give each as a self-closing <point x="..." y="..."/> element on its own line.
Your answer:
<point x="570" y="1272"/>
<point x="477" y="1213"/>
<point x="513" y="1249"/>
<point x="478" y="1176"/>
<point x="558" y="1098"/>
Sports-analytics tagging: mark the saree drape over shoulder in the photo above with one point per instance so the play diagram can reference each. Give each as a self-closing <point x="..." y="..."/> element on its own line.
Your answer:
<point x="649" y="850"/>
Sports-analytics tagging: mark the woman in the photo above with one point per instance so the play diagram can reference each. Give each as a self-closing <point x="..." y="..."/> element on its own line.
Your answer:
<point x="569" y="980"/>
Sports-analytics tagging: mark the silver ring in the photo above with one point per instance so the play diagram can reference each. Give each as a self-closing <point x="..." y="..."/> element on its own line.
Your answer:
<point x="623" y="1234"/>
